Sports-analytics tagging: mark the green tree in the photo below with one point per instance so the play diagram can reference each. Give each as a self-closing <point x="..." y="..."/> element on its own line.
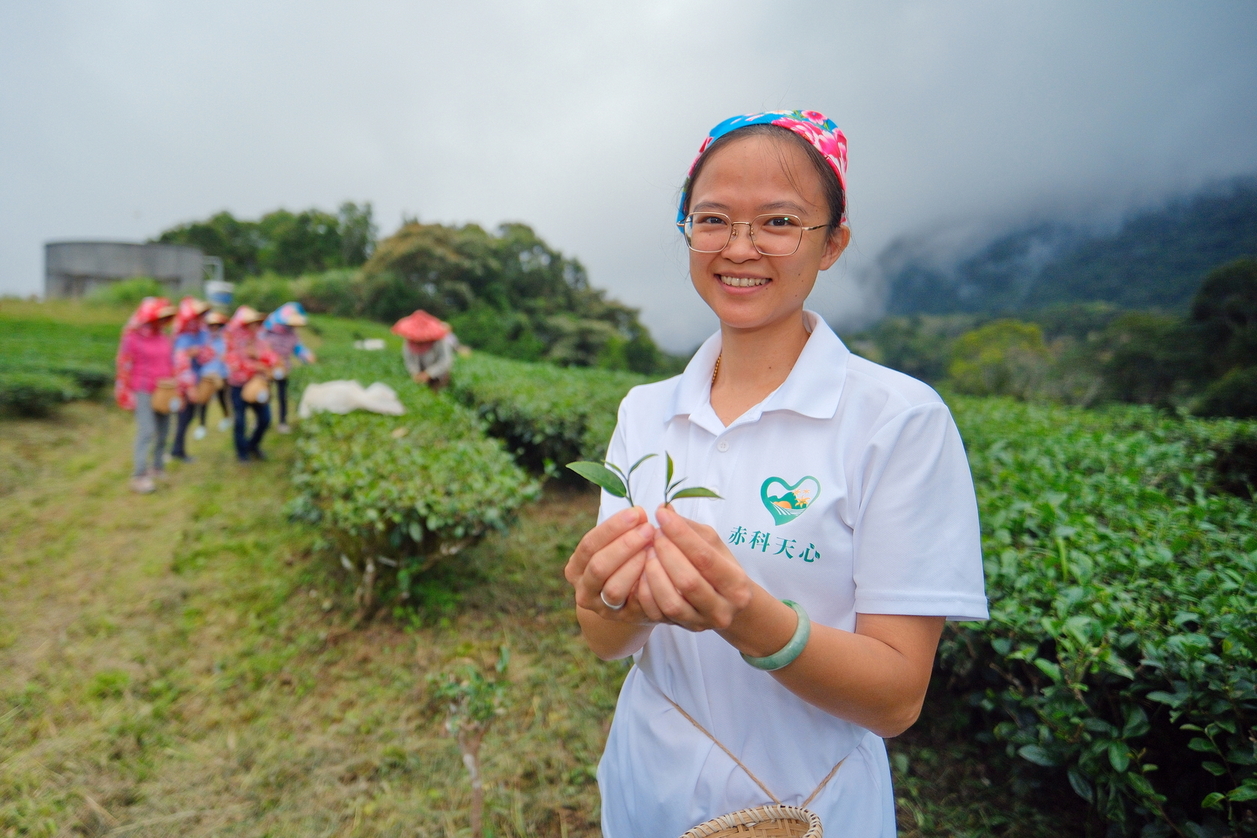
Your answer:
<point x="1225" y="310"/>
<point x="1148" y="358"/>
<point x="234" y="241"/>
<point x="282" y="242"/>
<point x="510" y="293"/>
<point x="357" y="233"/>
<point x="1002" y="358"/>
<point x="297" y="243"/>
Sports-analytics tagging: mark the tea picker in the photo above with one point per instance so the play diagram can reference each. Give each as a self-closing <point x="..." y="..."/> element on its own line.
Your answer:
<point x="426" y="353"/>
<point x="192" y="351"/>
<point x="279" y="330"/>
<point x="144" y="383"/>
<point x="249" y="363"/>
<point x="214" y="374"/>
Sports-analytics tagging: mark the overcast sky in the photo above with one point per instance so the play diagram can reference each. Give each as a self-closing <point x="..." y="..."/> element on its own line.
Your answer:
<point x="120" y="119"/>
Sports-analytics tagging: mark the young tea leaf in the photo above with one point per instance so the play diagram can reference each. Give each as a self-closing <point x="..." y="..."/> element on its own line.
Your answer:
<point x="600" y="475"/>
<point x="694" y="492"/>
<point x="633" y="467"/>
<point x="667" y="478"/>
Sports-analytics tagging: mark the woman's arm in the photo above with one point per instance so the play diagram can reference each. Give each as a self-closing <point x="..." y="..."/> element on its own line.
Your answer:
<point x="875" y="676"/>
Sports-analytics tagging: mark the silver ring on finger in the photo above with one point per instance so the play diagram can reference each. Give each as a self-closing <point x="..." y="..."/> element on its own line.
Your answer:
<point x="602" y="595"/>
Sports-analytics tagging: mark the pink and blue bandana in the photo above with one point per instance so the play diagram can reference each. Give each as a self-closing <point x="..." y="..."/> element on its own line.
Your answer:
<point x="813" y="126"/>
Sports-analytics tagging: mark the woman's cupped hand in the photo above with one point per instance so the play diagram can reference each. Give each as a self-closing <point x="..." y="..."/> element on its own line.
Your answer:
<point x="680" y="573"/>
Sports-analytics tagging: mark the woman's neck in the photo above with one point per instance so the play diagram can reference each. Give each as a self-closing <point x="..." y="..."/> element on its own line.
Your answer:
<point x="754" y="363"/>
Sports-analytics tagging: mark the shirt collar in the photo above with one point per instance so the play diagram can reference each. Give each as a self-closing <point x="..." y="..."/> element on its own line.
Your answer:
<point x="812" y="389"/>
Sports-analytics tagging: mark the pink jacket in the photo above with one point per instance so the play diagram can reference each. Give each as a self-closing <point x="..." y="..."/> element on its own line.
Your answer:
<point x="151" y="355"/>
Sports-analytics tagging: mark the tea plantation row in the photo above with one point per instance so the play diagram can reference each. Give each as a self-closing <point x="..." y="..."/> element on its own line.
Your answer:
<point x="547" y="415"/>
<point x="45" y="362"/>
<point x="1123" y="628"/>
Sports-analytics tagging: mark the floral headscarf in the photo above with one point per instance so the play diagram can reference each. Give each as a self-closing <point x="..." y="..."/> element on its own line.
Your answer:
<point x="289" y="314"/>
<point x="813" y="126"/>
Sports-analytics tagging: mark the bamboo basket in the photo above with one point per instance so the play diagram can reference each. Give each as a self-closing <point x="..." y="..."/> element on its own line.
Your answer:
<point x="761" y="822"/>
<point x="257" y="390"/>
<point x="205" y="389"/>
<point x="166" y="397"/>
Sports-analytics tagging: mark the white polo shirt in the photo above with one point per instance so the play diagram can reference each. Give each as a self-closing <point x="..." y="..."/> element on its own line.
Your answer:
<point x="846" y="490"/>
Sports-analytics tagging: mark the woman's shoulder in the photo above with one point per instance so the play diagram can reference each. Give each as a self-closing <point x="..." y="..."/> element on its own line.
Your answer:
<point x="869" y="380"/>
<point x="646" y="398"/>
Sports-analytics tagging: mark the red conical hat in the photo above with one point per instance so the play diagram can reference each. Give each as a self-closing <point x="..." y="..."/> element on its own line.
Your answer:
<point x="151" y="310"/>
<point x="420" y="327"/>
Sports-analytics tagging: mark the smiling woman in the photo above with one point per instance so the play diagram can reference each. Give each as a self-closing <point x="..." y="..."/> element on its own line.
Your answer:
<point x="781" y="630"/>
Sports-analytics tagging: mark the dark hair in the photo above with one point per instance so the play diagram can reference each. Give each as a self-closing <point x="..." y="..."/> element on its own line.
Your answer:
<point x="835" y="197"/>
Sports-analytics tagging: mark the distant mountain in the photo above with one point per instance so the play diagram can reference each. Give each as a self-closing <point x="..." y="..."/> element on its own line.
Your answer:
<point x="1156" y="259"/>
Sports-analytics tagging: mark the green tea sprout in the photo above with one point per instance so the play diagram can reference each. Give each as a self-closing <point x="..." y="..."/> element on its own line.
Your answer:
<point x="616" y="482"/>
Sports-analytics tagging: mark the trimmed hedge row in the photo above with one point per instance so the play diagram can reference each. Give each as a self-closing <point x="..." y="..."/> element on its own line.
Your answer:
<point x="412" y="489"/>
<point x="45" y="363"/>
<point x="547" y="415"/>
<point x="1122" y="644"/>
<point x="31" y="393"/>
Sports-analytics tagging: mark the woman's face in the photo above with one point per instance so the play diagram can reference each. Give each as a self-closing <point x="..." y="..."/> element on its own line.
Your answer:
<point x="750" y="177"/>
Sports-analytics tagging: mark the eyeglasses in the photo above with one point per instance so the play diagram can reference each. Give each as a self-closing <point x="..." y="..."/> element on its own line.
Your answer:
<point x="771" y="235"/>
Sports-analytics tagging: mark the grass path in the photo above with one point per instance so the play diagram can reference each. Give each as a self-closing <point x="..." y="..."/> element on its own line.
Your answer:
<point x="183" y="664"/>
<point x="175" y="663"/>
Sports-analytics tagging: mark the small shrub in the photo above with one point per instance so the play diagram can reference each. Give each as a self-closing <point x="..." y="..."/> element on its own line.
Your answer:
<point x="1234" y="394"/>
<point x="1003" y="358"/>
<point x="332" y="292"/>
<point x="264" y="293"/>
<point x="396" y="495"/>
<point x="36" y="394"/>
<point x="127" y="292"/>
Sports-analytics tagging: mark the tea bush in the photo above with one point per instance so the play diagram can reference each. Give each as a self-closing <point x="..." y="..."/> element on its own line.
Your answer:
<point x="27" y="393"/>
<point x="1122" y="642"/>
<point x="413" y="489"/>
<point x="46" y="362"/>
<point x="546" y="414"/>
<point x="127" y="292"/>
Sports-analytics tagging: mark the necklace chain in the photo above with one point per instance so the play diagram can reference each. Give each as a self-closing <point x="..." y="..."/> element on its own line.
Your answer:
<point x="715" y="371"/>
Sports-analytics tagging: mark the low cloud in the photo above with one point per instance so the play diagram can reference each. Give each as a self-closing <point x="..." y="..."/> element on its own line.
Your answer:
<point x="580" y="119"/>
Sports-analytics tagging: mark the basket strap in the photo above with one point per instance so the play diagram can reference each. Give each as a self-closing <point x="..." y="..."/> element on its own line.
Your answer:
<point x="742" y="765"/>
<point x="722" y="747"/>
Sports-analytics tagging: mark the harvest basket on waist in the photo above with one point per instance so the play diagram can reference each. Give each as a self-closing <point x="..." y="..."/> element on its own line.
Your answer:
<point x="257" y="390"/>
<point x="205" y="389"/>
<point x="761" y="822"/>
<point x="166" y="396"/>
<point x="775" y="820"/>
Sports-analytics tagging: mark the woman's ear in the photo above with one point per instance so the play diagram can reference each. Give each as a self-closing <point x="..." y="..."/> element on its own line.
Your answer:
<point x="835" y="244"/>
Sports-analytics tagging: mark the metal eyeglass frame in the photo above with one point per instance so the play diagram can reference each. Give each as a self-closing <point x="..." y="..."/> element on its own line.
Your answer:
<point x="750" y="228"/>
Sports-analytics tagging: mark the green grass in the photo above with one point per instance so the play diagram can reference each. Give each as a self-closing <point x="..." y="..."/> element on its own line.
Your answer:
<point x="182" y="661"/>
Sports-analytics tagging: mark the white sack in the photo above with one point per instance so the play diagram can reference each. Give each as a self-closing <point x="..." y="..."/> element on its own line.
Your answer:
<point x="344" y="396"/>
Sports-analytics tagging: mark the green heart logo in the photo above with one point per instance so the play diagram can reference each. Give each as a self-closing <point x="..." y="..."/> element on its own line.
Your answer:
<point x="790" y="501"/>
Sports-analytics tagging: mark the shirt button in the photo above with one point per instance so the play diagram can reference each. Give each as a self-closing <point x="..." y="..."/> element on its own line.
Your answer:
<point x="722" y="446"/>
